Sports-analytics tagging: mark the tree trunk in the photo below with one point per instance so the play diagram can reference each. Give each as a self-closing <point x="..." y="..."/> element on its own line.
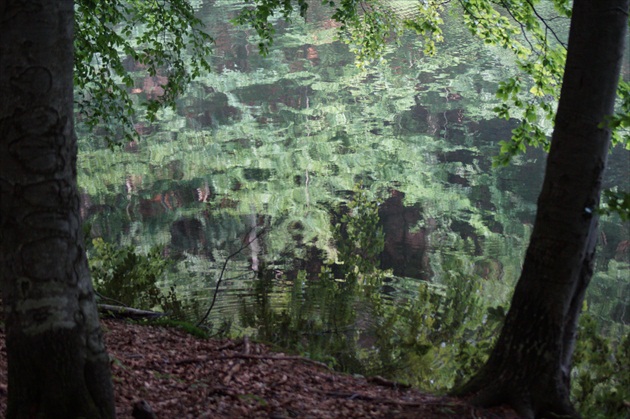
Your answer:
<point x="58" y="367"/>
<point x="530" y="365"/>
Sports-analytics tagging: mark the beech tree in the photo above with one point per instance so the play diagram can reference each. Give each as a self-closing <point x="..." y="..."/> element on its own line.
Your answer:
<point x="530" y="365"/>
<point x="58" y="366"/>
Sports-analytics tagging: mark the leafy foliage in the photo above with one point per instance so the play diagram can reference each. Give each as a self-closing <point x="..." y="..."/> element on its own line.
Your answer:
<point x="371" y="28"/>
<point x="601" y="372"/>
<point x="259" y="15"/>
<point x="163" y="38"/>
<point x="367" y="26"/>
<point x="616" y="202"/>
<point x="122" y="275"/>
<point x="609" y="295"/>
<point x="619" y="123"/>
<point x="437" y="338"/>
<point x="360" y="239"/>
<point x="540" y="51"/>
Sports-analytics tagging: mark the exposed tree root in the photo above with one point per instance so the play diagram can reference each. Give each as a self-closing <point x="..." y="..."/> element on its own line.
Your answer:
<point x="529" y="399"/>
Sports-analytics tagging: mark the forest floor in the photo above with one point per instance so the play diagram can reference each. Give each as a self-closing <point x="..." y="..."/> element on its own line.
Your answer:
<point x="180" y="376"/>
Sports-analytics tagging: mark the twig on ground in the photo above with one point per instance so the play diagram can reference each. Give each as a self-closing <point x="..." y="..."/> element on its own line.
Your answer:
<point x="377" y="379"/>
<point x="248" y="356"/>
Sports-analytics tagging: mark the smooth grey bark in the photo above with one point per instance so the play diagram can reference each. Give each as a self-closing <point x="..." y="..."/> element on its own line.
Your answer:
<point x="58" y="366"/>
<point x="530" y="365"/>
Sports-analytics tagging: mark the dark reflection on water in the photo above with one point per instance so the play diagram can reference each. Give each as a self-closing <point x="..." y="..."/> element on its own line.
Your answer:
<point x="406" y="252"/>
<point x="276" y="144"/>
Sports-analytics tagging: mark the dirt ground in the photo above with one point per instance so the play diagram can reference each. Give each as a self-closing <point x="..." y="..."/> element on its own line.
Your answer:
<point x="176" y="375"/>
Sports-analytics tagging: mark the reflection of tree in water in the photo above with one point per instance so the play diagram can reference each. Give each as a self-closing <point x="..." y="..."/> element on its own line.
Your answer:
<point x="406" y="246"/>
<point x="187" y="234"/>
<point x="201" y="234"/>
<point x="210" y="111"/>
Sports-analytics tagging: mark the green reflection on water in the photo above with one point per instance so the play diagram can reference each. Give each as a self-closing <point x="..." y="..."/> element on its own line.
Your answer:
<point x="280" y="143"/>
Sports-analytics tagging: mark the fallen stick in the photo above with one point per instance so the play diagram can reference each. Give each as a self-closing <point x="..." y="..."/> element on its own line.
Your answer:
<point x="120" y="312"/>
<point x="247" y="356"/>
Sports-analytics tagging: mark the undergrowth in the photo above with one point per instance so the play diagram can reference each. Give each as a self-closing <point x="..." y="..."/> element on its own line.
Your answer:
<point x="601" y="373"/>
<point x="125" y="277"/>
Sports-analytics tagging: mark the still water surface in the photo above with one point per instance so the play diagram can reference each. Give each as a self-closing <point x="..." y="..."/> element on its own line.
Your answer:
<point x="261" y="153"/>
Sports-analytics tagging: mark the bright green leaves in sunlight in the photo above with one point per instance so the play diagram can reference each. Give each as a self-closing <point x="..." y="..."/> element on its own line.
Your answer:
<point x="427" y="23"/>
<point x="259" y="16"/>
<point x="367" y="33"/>
<point x="377" y="23"/>
<point x="366" y="26"/>
<point x="536" y="35"/>
<point x="162" y="42"/>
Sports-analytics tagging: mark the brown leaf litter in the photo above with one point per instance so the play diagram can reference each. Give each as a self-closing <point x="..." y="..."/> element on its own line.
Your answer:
<point x="178" y="376"/>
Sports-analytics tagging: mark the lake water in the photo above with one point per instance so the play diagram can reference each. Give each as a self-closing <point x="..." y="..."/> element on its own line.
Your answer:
<point x="263" y="154"/>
